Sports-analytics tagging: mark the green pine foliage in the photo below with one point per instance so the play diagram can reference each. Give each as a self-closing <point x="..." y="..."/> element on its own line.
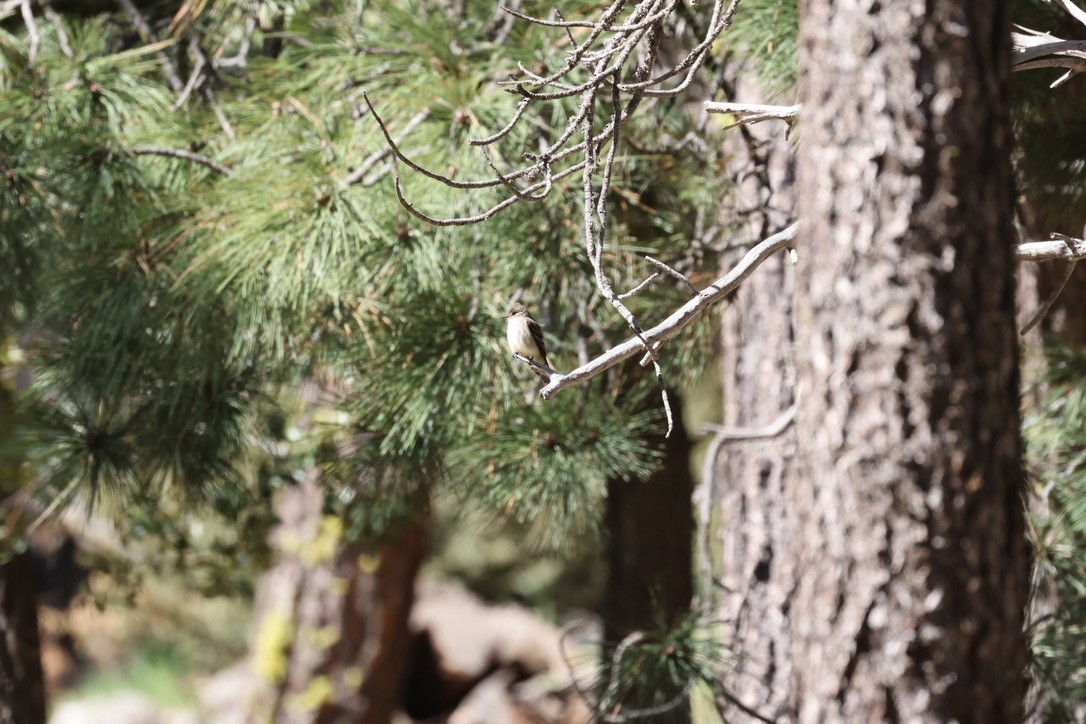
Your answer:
<point x="766" y="34"/>
<point x="664" y="674"/>
<point x="1056" y="430"/>
<point x="168" y="309"/>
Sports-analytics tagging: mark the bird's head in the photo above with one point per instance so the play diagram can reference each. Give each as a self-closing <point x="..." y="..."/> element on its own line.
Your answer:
<point x="517" y="310"/>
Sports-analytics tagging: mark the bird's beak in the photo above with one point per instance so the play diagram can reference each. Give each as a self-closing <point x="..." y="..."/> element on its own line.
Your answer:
<point x="507" y="315"/>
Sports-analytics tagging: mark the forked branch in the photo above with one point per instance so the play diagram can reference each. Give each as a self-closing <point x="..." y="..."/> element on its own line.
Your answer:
<point x="680" y="318"/>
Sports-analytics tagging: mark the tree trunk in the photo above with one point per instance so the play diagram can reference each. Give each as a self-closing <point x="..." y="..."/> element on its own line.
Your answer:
<point x="752" y="534"/>
<point x="745" y="521"/>
<point x="22" y="683"/>
<point x="332" y="639"/>
<point x="874" y="565"/>
<point x="650" y="537"/>
<point x="910" y="561"/>
<point x="650" y="528"/>
<point x="22" y="686"/>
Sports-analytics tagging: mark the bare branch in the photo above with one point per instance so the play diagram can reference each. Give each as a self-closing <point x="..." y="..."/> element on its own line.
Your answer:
<point x="754" y="112"/>
<point x="32" y="33"/>
<point x="224" y="122"/>
<point x="1067" y="248"/>
<point x="1073" y="10"/>
<point x="1062" y="247"/>
<point x="671" y="273"/>
<point x="617" y="715"/>
<point x="1040" y="314"/>
<point x="512" y="186"/>
<point x="144" y="31"/>
<point x="465" y="220"/>
<point x="1034" y="49"/>
<point x="567" y="629"/>
<point x="196" y="77"/>
<point x="631" y="639"/>
<point x="182" y="154"/>
<point x="773" y="429"/>
<point x="681" y="318"/>
<point x="578" y="52"/>
<point x="521" y="107"/>
<point x="62" y="35"/>
<point x="488" y="183"/>
<point x="549" y="23"/>
<point x="542" y="369"/>
<point x="692" y="62"/>
<point x="703" y="493"/>
<point x="374" y="158"/>
<point x="648" y="280"/>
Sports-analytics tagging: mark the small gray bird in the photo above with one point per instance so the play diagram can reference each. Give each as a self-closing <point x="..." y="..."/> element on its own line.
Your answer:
<point x="525" y="337"/>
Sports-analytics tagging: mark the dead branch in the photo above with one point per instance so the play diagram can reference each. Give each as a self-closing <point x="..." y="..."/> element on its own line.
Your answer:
<point x="680" y="318"/>
<point x="181" y="154"/>
<point x="1063" y="247"/>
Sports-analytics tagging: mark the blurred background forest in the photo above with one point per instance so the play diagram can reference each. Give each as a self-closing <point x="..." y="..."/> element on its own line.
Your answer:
<point x="250" y="404"/>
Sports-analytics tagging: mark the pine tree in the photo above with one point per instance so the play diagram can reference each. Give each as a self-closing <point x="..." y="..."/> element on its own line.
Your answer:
<point x="221" y="302"/>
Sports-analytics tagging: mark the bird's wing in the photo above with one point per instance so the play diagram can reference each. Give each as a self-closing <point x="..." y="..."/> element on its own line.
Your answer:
<point x="537" y="335"/>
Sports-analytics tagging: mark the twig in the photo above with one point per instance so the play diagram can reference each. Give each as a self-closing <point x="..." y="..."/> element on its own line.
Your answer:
<point x="702" y="495"/>
<point x="680" y="318"/>
<point x="32" y="32"/>
<point x="521" y="107"/>
<point x="62" y="35"/>
<point x="754" y="112"/>
<point x="578" y="52"/>
<point x="652" y="711"/>
<point x="224" y="122"/>
<point x="617" y="714"/>
<point x="466" y="220"/>
<point x="549" y="23"/>
<point x="1073" y="10"/>
<point x="773" y="429"/>
<point x="182" y="154"/>
<point x="394" y="147"/>
<point x="239" y="59"/>
<point x="543" y="369"/>
<point x="144" y="31"/>
<point x="648" y="280"/>
<point x="1072" y="262"/>
<point x="671" y="273"/>
<point x="567" y="628"/>
<point x="631" y="639"/>
<point x="692" y="62"/>
<point x="197" y="73"/>
<point x="1040" y="314"/>
<point x="374" y="158"/>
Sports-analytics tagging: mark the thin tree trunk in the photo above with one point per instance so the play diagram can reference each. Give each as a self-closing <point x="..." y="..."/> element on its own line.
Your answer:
<point x="332" y="637"/>
<point x="650" y="526"/>
<point x="650" y="529"/>
<point x="22" y="685"/>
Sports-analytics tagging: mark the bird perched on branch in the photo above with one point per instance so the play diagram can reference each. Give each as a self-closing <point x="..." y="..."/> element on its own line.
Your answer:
<point x="525" y="338"/>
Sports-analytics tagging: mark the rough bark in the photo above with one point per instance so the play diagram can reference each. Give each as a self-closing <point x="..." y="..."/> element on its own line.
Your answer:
<point x="873" y="558"/>
<point x="911" y="565"/>
<point x="332" y="628"/>
<point x="22" y="686"/>
<point x="746" y="518"/>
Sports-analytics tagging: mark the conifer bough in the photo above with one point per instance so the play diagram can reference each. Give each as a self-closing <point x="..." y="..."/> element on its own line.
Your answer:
<point x="612" y="64"/>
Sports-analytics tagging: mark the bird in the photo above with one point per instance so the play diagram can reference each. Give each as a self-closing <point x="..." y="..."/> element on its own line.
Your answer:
<point x="525" y="337"/>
